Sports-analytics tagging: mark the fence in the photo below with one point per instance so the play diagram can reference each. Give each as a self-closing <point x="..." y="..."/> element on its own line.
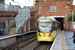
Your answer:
<point x="5" y="7"/>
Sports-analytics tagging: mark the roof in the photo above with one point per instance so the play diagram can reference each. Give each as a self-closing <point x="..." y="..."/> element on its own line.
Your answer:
<point x="43" y="17"/>
<point x="27" y="7"/>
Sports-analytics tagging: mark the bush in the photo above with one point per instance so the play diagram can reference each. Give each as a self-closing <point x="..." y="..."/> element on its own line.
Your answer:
<point x="70" y="17"/>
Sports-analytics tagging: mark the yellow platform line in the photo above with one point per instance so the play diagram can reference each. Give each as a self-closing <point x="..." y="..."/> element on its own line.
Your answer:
<point x="11" y="33"/>
<point x="64" y="42"/>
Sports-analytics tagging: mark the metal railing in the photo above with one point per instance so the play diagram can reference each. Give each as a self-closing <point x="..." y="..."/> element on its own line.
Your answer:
<point x="12" y="23"/>
<point x="22" y="18"/>
<point x="5" y="7"/>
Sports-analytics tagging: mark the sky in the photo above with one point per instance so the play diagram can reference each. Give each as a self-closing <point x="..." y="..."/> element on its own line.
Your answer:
<point x="73" y="2"/>
<point x="23" y="3"/>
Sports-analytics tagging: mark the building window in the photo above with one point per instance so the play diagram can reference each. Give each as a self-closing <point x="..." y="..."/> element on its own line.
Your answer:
<point x="53" y="8"/>
<point x="44" y="0"/>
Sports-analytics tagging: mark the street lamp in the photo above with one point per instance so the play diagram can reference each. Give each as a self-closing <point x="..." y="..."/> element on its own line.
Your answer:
<point x="66" y="17"/>
<point x="72" y="17"/>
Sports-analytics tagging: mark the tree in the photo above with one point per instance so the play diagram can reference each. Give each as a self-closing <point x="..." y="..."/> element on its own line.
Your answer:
<point x="70" y="17"/>
<point x="2" y="1"/>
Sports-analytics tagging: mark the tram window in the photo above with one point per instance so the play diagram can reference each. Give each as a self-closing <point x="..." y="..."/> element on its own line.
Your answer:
<point x="53" y="26"/>
<point x="45" y="24"/>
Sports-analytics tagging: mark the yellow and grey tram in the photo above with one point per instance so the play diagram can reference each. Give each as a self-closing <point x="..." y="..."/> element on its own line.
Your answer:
<point x="47" y="27"/>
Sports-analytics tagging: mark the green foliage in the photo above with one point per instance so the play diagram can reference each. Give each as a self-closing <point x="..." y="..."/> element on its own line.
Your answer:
<point x="70" y="17"/>
<point x="19" y="43"/>
<point x="32" y="14"/>
<point x="36" y="11"/>
<point x="1" y="47"/>
<point x="68" y="5"/>
<point x="2" y="1"/>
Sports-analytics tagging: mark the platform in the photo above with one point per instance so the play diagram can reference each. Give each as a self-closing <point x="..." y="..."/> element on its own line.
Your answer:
<point x="6" y="40"/>
<point x="70" y="43"/>
<point x="60" y="42"/>
<point x="8" y="36"/>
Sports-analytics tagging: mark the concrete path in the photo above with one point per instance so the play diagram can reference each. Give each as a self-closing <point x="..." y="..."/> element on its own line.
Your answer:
<point x="70" y="43"/>
<point x="60" y="42"/>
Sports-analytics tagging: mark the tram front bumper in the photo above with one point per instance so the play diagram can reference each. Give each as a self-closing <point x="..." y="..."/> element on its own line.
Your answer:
<point x="45" y="39"/>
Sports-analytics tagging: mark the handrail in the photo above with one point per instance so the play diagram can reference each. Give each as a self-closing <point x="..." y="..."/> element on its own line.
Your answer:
<point x="11" y="25"/>
<point x="20" y="19"/>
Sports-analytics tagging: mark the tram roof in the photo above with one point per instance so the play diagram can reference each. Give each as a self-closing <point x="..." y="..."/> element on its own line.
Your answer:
<point x="43" y="17"/>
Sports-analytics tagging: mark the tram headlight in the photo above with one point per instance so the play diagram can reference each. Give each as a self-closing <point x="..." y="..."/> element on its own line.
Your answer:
<point x="49" y="35"/>
<point x="39" y="34"/>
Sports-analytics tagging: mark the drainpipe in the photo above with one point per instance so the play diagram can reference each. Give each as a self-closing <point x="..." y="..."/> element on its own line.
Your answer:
<point x="72" y="17"/>
<point x="6" y="27"/>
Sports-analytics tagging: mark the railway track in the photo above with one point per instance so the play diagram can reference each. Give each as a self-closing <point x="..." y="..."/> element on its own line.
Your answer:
<point x="35" y="45"/>
<point x="20" y="44"/>
<point x="43" y="46"/>
<point x="29" y="44"/>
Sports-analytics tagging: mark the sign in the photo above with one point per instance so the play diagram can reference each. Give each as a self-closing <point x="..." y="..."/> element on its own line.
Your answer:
<point x="44" y="20"/>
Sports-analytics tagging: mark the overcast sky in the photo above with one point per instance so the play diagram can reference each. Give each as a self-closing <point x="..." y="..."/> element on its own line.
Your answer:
<point x="73" y="2"/>
<point x="21" y="2"/>
<point x="24" y="2"/>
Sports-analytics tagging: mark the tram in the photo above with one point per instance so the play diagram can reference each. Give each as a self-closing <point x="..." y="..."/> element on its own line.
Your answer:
<point x="47" y="27"/>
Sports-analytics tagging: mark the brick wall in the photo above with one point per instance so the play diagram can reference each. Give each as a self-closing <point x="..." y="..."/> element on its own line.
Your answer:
<point x="33" y="24"/>
<point x="74" y="8"/>
<point x="71" y="28"/>
<point x="46" y="6"/>
<point x="61" y="5"/>
<point x="64" y="23"/>
<point x="2" y="24"/>
<point x="6" y="16"/>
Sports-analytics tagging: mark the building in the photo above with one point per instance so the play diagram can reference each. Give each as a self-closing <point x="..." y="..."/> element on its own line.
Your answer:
<point x="60" y="10"/>
<point x="7" y="12"/>
<point x="74" y="8"/>
<point x="52" y="0"/>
